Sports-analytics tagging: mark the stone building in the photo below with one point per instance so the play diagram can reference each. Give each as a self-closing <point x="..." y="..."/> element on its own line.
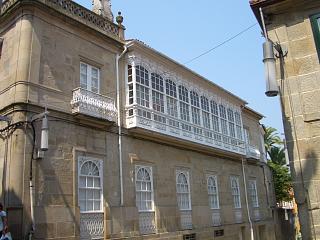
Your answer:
<point x="294" y="27"/>
<point x="187" y="161"/>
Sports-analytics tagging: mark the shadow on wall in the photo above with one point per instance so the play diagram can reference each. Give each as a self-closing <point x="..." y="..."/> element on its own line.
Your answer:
<point x="56" y="213"/>
<point x="18" y="217"/>
<point x="303" y="162"/>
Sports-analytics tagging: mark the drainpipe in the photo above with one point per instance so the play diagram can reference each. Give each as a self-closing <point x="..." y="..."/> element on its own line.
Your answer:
<point x="119" y="122"/>
<point x="247" y="203"/>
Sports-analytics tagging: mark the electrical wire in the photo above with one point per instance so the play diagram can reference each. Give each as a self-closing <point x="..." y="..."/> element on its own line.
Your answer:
<point x="221" y="44"/>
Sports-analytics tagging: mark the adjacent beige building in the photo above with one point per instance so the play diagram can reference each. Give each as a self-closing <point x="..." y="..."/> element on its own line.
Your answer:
<point x="187" y="162"/>
<point x="295" y="25"/>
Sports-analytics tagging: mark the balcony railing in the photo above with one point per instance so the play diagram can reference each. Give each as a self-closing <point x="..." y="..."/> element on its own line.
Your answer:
<point x="92" y="104"/>
<point x="76" y="12"/>
<point x="146" y="118"/>
<point x="253" y="152"/>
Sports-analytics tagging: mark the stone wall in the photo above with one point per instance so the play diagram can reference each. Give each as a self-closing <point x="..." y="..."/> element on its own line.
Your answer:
<point x="299" y="76"/>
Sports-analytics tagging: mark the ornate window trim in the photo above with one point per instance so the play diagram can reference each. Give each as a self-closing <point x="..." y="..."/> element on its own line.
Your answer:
<point x="141" y="191"/>
<point x="183" y="190"/>
<point x="87" y="77"/>
<point x="213" y="191"/>
<point x="253" y="193"/>
<point x="235" y="191"/>
<point x="82" y="160"/>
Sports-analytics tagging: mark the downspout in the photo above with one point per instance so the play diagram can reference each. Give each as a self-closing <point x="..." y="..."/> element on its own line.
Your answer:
<point x="247" y="203"/>
<point x="119" y="123"/>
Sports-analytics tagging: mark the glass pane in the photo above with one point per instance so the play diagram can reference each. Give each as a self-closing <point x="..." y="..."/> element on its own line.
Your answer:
<point x="89" y="194"/>
<point x="97" y="182"/>
<point x="82" y="205"/>
<point x="97" y="205"/>
<point x="82" y="194"/>
<point x="89" y="182"/>
<point x="89" y="205"/>
<point x="96" y="194"/>
<point x="82" y="182"/>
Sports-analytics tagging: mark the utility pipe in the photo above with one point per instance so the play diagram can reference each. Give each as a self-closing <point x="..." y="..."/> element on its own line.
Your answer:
<point x="263" y="24"/>
<point x="247" y="203"/>
<point x="119" y="122"/>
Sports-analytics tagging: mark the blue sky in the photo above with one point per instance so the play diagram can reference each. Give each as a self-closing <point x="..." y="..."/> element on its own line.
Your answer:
<point x="184" y="29"/>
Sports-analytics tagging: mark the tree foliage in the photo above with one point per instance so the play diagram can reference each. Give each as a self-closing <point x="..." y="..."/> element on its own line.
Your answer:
<point x="277" y="162"/>
<point x="282" y="182"/>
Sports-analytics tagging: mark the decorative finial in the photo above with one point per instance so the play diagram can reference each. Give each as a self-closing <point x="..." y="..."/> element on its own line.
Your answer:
<point x="119" y="19"/>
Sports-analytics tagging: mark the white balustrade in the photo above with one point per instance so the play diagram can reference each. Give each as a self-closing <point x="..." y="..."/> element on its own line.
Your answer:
<point x="138" y="116"/>
<point x="93" y="104"/>
<point x="238" y="216"/>
<point x="253" y="152"/>
<point x="77" y="12"/>
<point x="186" y="220"/>
<point x="147" y="222"/>
<point x="91" y="226"/>
<point x="216" y="218"/>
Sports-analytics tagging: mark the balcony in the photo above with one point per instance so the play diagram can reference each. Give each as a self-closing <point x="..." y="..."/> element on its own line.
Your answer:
<point x="74" y="11"/>
<point x="146" y="118"/>
<point x="92" y="104"/>
<point x="253" y="152"/>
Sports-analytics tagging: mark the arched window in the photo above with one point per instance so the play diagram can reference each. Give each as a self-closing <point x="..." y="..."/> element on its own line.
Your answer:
<point x="157" y="92"/>
<point x="184" y="103"/>
<point x="142" y="86"/>
<point x="213" y="192"/>
<point x="253" y="193"/>
<point x="235" y="190"/>
<point x="90" y="185"/>
<point x="183" y="190"/>
<point x="144" y="189"/>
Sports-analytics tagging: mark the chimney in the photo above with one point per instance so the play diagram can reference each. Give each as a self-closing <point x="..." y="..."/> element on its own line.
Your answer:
<point x="103" y="8"/>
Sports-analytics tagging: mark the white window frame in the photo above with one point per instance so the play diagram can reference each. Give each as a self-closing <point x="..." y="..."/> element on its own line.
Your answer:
<point x="99" y="164"/>
<point x="149" y="170"/>
<point x="253" y="193"/>
<point x="181" y="193"/>
<point x="235" y="191"/>
<point x="142" y="88"/>
<point x="89" y="77"/>
<point x="213" y="193"/>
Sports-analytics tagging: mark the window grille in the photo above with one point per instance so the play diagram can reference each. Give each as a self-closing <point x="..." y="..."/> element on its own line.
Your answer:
<point x="189" y="236"/>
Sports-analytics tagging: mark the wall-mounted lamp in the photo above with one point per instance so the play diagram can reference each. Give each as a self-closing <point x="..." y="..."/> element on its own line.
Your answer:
<point x="269" y="61"/>
<point x="44" y="132"/>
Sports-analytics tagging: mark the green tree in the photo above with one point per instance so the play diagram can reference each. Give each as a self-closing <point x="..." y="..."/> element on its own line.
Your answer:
<point x="276" y="161"/>
<point x="277" y="155"/>
<point x="271" y="139"/>
<point x="282" y="182"/>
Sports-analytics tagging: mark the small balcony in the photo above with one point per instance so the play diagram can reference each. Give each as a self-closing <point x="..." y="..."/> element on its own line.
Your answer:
<point x="253" y="152"/>
<point x="92" y="104"/>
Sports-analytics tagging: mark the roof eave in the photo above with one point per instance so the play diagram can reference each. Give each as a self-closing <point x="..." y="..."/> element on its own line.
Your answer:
<point x="257" y="4"/>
